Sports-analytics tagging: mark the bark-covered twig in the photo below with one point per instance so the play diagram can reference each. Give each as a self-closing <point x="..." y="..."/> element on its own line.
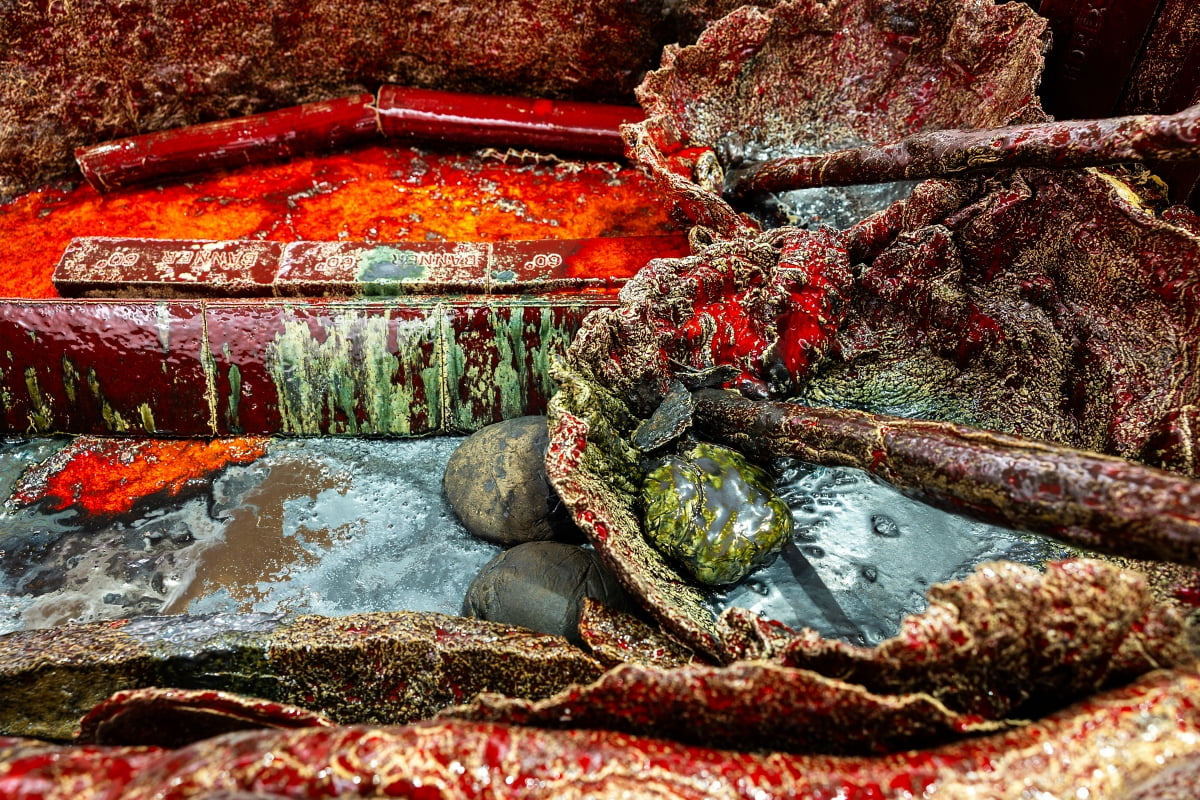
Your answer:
<point x="1082" y="498"/>
<point x="948" y="153"/>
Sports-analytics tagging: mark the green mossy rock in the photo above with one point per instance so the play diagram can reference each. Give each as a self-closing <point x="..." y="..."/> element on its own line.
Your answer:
<point x="715" y="513"/>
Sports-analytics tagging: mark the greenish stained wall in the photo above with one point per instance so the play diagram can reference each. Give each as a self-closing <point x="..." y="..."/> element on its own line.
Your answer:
<point x="373" y="372"/>
<point x="351" y="382"/>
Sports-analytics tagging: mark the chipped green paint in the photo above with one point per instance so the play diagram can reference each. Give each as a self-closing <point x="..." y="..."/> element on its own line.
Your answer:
<point x="434" y="384"/>
<point x="418" y="366"/>
<point x="509" y="337"/>
<point x="113" y="420"/>
<point x="235" y="394"/>
<point x="147" y="415"/>
<point x="41" y="417"/>
<point x="453" y="356"/>
<point x="553" y="340"/>
<point x="521" y="350"/>
<point x="71" y="376"/>
<point x="351" y="382"/>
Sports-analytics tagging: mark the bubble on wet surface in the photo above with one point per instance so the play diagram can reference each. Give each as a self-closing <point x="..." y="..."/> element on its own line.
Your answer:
<point x="885" y="526"/>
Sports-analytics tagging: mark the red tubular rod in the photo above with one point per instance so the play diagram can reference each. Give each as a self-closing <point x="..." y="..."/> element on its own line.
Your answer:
<point x="1082" y="498"/>
<point x="418" y="114"/>
<point x="490" y="120"/>
<point x="229" y="142"/>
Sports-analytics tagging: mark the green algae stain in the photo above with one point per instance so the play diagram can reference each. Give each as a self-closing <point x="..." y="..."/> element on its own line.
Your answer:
<point x="208" y="364"/>
<point x="70" y="380"/>
<point x="233" y="404"/>
<point x="510" y="376"/>
<point x="40" y="415"/>
<point x="372" y="371"/>
<point x="554" y="337"/>
<point x="383" y="270"/>
<point x="358" y="377"/>
<point x="147" y="415"/>
<point x="503" y="371"/>
<point x="113" y="420"/>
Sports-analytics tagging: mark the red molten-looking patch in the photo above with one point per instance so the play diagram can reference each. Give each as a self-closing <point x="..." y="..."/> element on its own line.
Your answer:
<point x="372" y="194"/>
<point x="108" y="477"/>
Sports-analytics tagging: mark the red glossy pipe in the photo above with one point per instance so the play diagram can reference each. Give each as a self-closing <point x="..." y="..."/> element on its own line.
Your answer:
<point x="419" y="114"/>
<point x="228" y="142"/>
<point x="504" y="121"/>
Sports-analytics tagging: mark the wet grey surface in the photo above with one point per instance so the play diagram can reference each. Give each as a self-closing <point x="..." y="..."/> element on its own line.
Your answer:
<point x="863" y="555"/>
<point x="338" y="526"/>
<point x="835" y="206"/>
<point x="327" y="526"/>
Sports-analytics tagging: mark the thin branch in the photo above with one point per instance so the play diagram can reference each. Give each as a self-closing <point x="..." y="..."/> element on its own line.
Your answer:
<point x="949" y="153"/>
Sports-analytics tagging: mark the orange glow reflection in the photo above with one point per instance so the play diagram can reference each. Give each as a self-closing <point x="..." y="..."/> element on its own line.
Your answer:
<point x="377" y="193"/>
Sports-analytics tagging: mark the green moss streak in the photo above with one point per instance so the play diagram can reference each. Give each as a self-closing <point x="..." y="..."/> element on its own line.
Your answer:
<point x="509" y="335"/>
<point x="147" y="415"/>
<point x="235" y="395"/>
<point x="70" y="380"/>
<point x="40" y="415"/>
<point x="352" y="382"/>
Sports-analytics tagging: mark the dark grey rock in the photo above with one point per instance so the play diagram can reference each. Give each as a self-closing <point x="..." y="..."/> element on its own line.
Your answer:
<point x="541" y="586"/>
<point x="496" y="483"/>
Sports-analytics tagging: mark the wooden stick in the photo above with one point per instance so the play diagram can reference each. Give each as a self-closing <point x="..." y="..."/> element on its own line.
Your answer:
<point x="1082" y="498"/>
<point x="950" y="153"/>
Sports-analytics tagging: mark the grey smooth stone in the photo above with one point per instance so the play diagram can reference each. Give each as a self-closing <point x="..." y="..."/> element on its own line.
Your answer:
<point x="541" y="586"/>
<point x="496" y="483"/>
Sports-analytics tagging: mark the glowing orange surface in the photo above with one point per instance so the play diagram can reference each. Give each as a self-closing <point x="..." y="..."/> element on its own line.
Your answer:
<point x="377" y="193"/>
<point x="107" y="477"/>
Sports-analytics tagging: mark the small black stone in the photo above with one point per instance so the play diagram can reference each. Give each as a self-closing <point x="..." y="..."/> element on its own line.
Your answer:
<point x="541" y="586"/>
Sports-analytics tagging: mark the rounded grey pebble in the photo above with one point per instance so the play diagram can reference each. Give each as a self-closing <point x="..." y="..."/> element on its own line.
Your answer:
<point x="496" y="483"/>
<point x="541" y="586"/>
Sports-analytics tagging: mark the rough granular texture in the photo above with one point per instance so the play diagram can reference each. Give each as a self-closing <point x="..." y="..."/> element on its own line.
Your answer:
<point x="767" y="306"/>
<point x="81" y="73"/>
<point x="1010" y="641"/>
<point x="962" y="305"/>
<point x="1058" y="305"/>
<point x="807" y="77"/>
<point x="1144" y="734"/>
<point x="392" y="668"/>
<point x="404" y="666"/>
<point x="618" y="637"/>
<point x="744" y="706"/>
